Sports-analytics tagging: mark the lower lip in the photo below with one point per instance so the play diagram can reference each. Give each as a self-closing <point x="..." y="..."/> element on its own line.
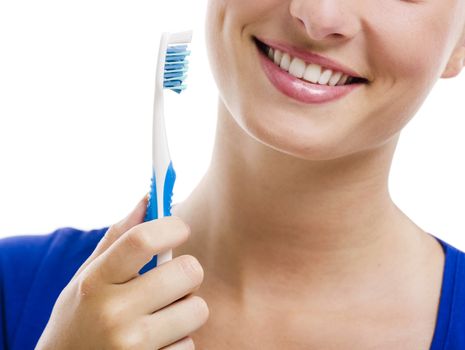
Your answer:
<point x="300" y="90"/>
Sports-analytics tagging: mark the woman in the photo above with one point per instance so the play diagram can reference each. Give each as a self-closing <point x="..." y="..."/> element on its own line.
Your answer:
<point x="295" y="242"/>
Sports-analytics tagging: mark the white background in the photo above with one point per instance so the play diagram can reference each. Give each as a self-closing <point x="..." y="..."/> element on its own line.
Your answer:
<point x="76" y="98"/>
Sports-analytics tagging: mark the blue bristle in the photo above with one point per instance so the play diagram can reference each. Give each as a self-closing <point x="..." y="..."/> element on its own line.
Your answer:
<point x="176" y="67"/>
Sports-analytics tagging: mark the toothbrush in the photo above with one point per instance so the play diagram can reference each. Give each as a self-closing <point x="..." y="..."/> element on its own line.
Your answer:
<point x="171" y="72"/>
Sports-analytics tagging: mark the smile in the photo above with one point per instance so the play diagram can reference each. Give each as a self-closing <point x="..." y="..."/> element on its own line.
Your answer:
<point x="307" y="82"/>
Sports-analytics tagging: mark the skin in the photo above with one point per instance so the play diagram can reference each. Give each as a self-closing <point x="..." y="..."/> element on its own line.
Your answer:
<point x="295" y="241"/>
<point x="108" y="305"/>
<point x="293" y="222"/>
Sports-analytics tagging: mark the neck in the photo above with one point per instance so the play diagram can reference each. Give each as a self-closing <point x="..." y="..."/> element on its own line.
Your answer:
<point x="259" y="214"/>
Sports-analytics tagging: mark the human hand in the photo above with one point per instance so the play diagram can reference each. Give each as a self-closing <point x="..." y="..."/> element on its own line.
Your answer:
<point x="108" y="305"/>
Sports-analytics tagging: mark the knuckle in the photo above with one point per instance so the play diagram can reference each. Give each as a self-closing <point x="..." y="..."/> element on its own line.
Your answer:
<point x="191" y="268"/>
<point x="200" y="306"/>
<point x="186" y="344"/>
<point x="181" y="225"/>
<point x="190" y="345"/>
<point x="110" y="316"/>
<point x="86" y="286"/>
<point x="137" y="238"/>
<point x="129" y="340"/>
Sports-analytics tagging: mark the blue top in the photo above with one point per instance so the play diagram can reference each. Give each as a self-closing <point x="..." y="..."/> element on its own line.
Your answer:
<point x="34" y="270"/>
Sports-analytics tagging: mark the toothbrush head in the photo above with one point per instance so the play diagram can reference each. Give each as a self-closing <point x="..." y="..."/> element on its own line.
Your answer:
<point x="176" y="67"/>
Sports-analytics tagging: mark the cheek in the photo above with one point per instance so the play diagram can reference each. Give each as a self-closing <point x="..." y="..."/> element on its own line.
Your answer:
<point x="227" y="43"/>
<point x="407" y="53"/>
<point x="215" y="43"/>
<point x="410" y="42"/>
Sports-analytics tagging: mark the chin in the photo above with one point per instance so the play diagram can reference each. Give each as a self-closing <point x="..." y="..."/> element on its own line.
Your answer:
<point x="291" y="135"/>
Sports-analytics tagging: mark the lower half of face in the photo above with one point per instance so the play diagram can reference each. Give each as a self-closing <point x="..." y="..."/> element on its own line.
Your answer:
<point x="399" y="49"/>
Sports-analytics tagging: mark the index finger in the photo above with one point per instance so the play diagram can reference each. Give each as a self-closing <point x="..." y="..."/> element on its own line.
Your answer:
<point x="122" y="261"/>
<point x="117" y="230"/>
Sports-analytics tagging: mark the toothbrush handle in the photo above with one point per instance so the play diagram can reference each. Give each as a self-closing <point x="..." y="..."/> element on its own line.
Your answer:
<point x="164" y="187"/>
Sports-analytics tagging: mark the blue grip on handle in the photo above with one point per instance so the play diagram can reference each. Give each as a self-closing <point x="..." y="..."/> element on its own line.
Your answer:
<point x="152" y="208"/>
<point x="151" y="212"/>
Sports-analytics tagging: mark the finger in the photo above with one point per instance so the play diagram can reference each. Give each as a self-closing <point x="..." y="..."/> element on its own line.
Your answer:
<point x="136" y="216"/>
<point x="184" y="344"/>
<point x="178" y="320"/>
<point x="165" y="284"/>
<point x="122" y="261"/>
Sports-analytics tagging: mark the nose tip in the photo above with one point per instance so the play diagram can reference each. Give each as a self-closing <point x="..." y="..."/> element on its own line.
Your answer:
<point x="322" y="19"/>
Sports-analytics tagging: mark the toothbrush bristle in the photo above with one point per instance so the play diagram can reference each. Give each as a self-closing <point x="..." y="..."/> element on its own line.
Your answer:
<point x="176" y="67"/>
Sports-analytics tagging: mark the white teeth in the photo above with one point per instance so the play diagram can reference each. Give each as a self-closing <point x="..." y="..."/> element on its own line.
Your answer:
<point x="277" y="57"/>
<point x="271" y="54"/>
<point x="311" y="72"/>
<point x="297" y="68"/>
<point x="285" y="61"/>
<point x="343" y="80"/>
<point x="325" y="76"/>
<point x="335" y="78"/>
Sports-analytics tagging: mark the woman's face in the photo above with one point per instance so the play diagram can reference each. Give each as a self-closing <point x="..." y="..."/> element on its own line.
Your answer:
<point x="401" y="47"/>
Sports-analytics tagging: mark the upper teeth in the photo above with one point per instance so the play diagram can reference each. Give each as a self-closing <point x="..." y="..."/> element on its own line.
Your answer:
<point x="311" y="72"/>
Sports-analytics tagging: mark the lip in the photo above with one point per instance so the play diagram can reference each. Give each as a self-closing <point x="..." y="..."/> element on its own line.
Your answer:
<point x="299" y="89"/>
<point x="309" y="57"/>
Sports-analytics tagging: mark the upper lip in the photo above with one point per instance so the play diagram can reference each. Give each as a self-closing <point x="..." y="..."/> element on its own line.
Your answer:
<point x="310" y="57"/>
